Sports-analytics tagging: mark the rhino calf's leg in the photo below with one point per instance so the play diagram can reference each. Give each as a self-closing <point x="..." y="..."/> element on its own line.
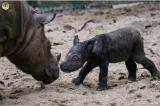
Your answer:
<point x="132" y="67"/>
<point x="83" y="73"/>
<point x="149" y="65"/>
<point x="103" y="65"/>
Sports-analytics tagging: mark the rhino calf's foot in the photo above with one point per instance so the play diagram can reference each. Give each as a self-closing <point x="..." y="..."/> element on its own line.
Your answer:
<point x="157" y="77"/>
<point x="101" y="87"/>
<point x="77" y="81"/>
<point x="132" y="78"/>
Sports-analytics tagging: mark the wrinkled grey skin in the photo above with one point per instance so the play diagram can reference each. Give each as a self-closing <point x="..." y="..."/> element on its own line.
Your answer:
<point x="121" y="45"/>
<point x="23" y="41"/>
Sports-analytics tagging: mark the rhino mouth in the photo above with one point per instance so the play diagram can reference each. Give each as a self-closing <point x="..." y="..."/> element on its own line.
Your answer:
<point x="50" y="76"/>
<point x="48" y="81"/>
<point x="45" y="78"/>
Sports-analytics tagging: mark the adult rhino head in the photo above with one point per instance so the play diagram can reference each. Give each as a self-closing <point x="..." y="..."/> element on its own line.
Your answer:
<point x="24" y="42"/>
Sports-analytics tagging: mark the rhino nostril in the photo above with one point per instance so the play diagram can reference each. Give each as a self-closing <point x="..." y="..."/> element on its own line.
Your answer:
<point x="47" y="72"/>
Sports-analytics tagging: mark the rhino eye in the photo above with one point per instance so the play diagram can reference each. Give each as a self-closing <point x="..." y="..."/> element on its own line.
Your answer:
<point x="75" y="58"/>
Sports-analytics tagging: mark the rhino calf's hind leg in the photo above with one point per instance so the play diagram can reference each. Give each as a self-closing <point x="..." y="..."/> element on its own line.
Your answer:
<point x="149" y="65"/>
<point x="83" y="73"/>
<point x="131" y="67"/>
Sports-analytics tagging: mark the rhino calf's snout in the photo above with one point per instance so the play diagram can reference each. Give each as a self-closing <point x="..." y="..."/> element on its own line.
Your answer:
<point x="64" y="67"/>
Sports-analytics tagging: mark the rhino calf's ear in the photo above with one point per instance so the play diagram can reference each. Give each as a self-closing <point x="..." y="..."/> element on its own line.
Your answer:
<point x="76" y="40"/>
<point x="45" y="18"/>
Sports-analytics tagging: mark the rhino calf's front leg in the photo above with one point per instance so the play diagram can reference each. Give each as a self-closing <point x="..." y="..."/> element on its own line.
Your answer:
<point x="103" y="65"/>
<point x="84" y="71"/>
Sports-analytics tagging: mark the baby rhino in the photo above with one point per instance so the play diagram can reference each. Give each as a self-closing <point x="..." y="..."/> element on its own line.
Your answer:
<point x="125" y="44"/>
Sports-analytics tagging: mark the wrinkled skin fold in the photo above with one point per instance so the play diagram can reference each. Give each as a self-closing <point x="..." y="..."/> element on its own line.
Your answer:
<point x="125" y="44"/>
<point x="23" y="41"/>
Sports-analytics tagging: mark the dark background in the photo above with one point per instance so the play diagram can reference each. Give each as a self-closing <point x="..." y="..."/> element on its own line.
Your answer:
<point x="46" y="6"/>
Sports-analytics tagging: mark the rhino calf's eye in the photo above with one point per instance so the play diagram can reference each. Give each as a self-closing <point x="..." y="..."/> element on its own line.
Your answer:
<point x="75" y="58"/>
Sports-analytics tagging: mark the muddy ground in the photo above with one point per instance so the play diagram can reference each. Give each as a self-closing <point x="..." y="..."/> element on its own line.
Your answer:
<point x="22" y="90"/>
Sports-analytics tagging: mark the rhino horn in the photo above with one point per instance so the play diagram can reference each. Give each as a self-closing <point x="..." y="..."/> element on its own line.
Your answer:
<point x="56" y="55"/>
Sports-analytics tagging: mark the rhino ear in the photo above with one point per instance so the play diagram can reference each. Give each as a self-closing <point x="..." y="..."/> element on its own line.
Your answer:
<point x="44" y="18"/>
<point x="76" y="40"/>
